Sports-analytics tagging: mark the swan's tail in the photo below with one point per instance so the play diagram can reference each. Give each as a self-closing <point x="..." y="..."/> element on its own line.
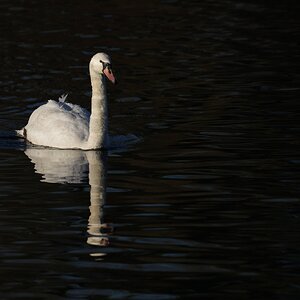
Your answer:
<point x="21" y="133"/>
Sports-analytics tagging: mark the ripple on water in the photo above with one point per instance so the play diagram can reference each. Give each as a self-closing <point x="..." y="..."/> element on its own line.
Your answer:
<point x="198" y="197"/>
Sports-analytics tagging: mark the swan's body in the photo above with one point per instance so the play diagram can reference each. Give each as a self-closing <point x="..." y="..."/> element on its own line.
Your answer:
<point x="58" y="124"/>
<point x="68" y="126"/>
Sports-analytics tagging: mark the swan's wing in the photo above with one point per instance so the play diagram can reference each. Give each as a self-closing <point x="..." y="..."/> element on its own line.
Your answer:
<point x="71" y="108"/>
<point x="80" y="111"/>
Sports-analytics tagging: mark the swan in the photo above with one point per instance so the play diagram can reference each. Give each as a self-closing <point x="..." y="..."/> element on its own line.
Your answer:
<point x="59" y="124"/>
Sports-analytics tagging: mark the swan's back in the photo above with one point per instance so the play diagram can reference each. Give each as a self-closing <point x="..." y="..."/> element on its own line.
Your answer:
<point x="59" y="125"/>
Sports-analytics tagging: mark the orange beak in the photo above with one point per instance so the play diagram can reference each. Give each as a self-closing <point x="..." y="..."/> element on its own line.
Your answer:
<point x="110" y="75"/>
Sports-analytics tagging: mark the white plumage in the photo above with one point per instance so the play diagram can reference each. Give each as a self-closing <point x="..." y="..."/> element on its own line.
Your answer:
<point x="60" y="124"/>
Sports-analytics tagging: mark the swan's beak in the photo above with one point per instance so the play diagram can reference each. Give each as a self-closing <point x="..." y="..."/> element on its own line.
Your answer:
<point x="110" y="75"/>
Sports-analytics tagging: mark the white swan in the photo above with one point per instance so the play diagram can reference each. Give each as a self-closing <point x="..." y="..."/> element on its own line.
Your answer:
<point x="69" y="126"/>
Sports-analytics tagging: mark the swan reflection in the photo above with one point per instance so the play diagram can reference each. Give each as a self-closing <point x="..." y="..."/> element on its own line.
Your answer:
<point x="72" y="166"/>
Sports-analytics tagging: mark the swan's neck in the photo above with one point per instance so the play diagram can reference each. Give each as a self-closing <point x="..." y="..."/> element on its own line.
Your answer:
<point x="98" y="131"/>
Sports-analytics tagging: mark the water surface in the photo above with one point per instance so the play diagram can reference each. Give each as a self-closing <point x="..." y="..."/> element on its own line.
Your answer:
<point x="206" y="204"/>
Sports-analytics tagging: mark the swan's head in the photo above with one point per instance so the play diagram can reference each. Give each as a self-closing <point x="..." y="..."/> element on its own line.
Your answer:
<point x="101" y="64"/>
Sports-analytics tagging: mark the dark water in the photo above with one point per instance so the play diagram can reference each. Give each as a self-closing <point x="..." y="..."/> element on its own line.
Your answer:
<point x="206" y="204"/>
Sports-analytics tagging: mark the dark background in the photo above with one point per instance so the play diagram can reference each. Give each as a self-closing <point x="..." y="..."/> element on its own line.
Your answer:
<point x="206" y="204"/>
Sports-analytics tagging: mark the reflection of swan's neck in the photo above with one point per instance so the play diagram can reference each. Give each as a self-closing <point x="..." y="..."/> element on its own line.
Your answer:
<point x="98" y="120"/>
<point x="96" y="176"/>
<point x="97" y="195"/>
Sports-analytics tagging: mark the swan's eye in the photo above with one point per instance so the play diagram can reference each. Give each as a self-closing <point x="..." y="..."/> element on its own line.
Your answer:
<point x="106" y="65"/>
